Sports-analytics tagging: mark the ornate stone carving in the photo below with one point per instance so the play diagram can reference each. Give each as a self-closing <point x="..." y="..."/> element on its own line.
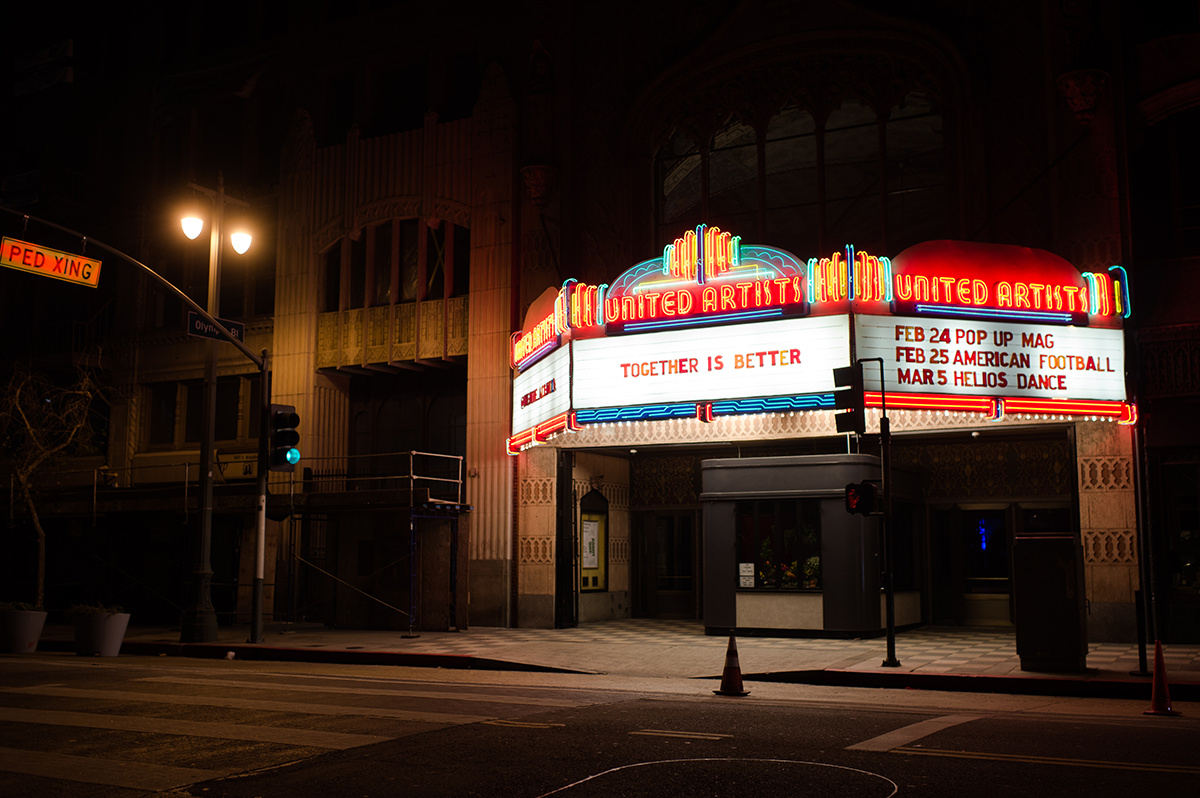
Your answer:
<point x="1109" y="546"/>
<point x="536" y="551"/>
<point x="537" y="490"/>
<point x="1083" y="90"/>
<point x="1105" y="473"/>
<point x="540" y="180"/>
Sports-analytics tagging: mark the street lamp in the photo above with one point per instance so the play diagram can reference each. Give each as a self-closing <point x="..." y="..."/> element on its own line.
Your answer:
<point x="199" y="624"/>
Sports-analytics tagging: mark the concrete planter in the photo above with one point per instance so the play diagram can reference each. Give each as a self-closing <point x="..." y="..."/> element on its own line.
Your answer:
<point x="100" y="635"/>
<point x="20" y="630"/>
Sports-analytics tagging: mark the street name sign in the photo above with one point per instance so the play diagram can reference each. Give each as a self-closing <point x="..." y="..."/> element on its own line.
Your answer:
<point x="26" y="257"/>
<point x="199" y="327"/>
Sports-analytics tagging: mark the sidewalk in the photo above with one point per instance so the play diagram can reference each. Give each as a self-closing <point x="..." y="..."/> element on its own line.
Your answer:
<point x="933" y="658"/>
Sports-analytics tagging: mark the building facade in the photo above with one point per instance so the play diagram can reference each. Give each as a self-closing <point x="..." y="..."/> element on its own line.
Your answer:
<point x="421" y="198"/>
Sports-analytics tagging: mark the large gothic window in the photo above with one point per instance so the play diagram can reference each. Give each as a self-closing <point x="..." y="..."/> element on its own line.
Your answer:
<point x="858" y="176"/>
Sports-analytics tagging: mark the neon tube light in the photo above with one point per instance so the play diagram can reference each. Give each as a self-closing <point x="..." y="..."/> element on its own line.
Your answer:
<point x="995" y="313"/>
<point x="695" y="321"/>
<point x="604" y="415"/>
<point x="772" y="404"/>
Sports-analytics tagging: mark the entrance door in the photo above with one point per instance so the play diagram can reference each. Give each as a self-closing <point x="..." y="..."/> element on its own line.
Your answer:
<point x="666" y="566"/>
<point x="987" y="567"/>
<point x="971" y="565"/>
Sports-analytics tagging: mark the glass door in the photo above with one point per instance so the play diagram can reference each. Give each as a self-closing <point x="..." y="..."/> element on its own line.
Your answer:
<point x="666" y="576"/>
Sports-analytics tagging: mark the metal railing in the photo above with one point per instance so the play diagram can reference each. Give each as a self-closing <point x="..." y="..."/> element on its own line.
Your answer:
<point x="442" y="474"/>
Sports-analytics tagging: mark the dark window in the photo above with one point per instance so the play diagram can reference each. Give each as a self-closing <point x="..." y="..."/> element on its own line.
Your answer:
<point x="358" y="272"/>
<point x="779" y="544"/>
<point x="382" y="264"/>
<point x="409" y="252"/>
<point x="435" y="268"/>
<point x="193" y="411"/>
<point x="229" y="396"/>
<point x="163" y="398"/>
<point x="228" y="403"/>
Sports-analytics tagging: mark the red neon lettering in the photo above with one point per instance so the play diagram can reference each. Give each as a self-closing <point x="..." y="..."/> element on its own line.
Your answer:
<point x="683" y="300"/>
<point x="727" y="300"/>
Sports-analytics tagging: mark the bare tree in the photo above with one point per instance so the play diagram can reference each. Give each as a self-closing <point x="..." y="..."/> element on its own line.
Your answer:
<point x="41" y="421"/>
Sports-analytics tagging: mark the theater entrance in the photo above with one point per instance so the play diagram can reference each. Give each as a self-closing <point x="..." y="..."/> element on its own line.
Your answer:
<point x="665" y="564"/>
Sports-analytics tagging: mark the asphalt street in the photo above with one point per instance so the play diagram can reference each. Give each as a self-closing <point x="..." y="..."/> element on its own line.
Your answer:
<point x="134" y="726"/>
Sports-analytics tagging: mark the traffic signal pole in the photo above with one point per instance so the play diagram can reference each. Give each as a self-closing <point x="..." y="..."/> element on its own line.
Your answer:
<point x="889" y="560"/>
<point x="260" y="539"/>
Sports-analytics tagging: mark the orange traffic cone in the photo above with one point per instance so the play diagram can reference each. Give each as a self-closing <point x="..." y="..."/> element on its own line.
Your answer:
<point x="731" y="678"/>
<point x="1160" y="695"/>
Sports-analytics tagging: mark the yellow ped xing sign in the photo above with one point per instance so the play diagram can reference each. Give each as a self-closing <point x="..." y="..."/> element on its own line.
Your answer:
<point x="32" y="258"/>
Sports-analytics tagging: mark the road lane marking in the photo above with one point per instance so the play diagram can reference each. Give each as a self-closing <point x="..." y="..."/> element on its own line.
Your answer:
<point x="680" y="734"/>
<point x="444" y="718"/>
<point x="523" y="724"/>
<point x="309" y="688"/>
<point x="911" y="733"/>
<point x="1050" y="760"/>
<point x="311" y="738"/>
<point x="110" y="772"/>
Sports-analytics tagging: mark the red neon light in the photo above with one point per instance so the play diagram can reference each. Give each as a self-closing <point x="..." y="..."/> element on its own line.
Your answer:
<point x="516" y="442"/>
<point x="1081" y="407"/>
<point x="1123" y="412"/>
<point x="547" y="428"/>
<point x="923" y="401"/>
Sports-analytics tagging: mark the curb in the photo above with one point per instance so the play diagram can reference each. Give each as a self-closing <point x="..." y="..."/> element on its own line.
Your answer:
<point x="332" y="656"/>
<point x="972" y="683"/>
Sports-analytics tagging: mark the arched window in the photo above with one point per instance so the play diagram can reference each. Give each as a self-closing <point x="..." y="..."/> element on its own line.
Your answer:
<point x="809" y="184"/>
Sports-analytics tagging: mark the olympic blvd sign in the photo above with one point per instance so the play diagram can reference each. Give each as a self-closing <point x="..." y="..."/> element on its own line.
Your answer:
<point x="716" y="327"/>
<point x="35" y="259"/>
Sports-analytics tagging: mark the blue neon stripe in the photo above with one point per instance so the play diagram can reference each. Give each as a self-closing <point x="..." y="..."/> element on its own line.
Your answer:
<point x="998" y="313"/>
<point x="695" y="321"/>
<point x="773" y="404"/>
<point x="638" y="413"/>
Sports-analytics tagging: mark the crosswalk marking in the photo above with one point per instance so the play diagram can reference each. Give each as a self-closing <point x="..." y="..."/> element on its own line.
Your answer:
<point x="248" y="703"/>
<point x="311" y="738"/>
<point x="94" y="770"/>
<point x="681" y="734"/>
<point x="535" y="701"/>
<point x="911" y="733"/>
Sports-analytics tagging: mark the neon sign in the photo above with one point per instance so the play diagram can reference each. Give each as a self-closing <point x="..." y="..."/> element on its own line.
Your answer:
<point x="960" y="327"/>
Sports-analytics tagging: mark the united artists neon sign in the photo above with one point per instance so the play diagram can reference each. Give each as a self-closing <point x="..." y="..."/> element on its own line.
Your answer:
<point x="709" y="277"/>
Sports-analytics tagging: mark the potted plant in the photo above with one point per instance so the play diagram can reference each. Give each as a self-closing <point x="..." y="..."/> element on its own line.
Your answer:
<point x="99" y="629"/>
<point x="41" y="423"/>
<point x="20" y="627"/>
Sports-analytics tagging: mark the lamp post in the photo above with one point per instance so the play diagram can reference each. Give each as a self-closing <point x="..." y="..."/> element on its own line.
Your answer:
<point x="199" y="624"/>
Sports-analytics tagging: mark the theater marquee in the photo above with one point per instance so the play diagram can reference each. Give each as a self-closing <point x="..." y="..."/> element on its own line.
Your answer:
<point x="716" y="327"/>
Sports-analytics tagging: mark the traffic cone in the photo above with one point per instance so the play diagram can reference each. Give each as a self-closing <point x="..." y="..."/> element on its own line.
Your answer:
<point x="1160" y="695"/>
<point x="731" y="678"/>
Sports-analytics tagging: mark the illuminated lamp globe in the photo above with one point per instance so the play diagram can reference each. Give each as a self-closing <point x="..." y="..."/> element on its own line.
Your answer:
<point x="240" y="242"/>
<point x="192" y="226"/>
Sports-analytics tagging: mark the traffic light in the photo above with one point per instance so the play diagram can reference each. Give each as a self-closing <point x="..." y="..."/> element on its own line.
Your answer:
<point x="861" y="497"/>
<point x="282" y="454"/>
<point x="852" y="399"/>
